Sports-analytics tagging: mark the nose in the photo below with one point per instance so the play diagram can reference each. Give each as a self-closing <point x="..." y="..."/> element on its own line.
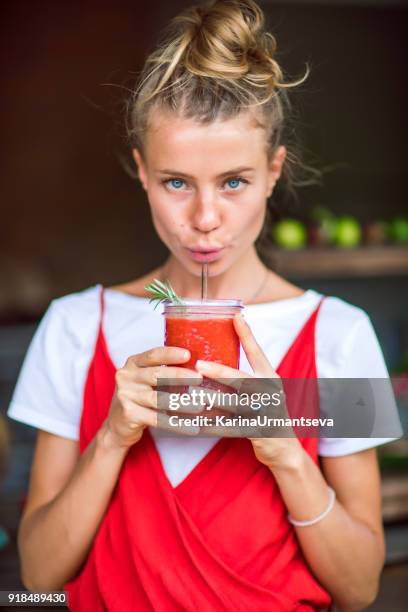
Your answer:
<point x="206" y="212"/>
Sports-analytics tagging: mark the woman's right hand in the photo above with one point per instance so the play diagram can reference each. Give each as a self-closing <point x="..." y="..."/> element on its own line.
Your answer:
<point x="134" y="403"/>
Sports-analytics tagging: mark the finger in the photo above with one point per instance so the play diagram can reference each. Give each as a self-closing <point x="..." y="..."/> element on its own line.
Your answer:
<point x="159" y="355"/>
<point x="135" y="415"/>
<point x="268" y="386"/>
<point x="226" y="402"/>
<point x="179" y="403"/>
<point x="255" y="396"/>
<point x="139" y="396"/>
<point x="146" y="397"/>
<point x="164" y="375"/>
<point x="160" y="375"/>
<point x="215" y="370"/>
<point x="255" y="355"/>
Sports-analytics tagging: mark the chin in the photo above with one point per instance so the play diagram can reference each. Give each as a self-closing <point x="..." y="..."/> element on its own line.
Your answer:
<point x="214" y="269"/>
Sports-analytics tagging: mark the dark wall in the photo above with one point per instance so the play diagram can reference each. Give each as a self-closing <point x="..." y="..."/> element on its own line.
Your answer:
<point x="70" y="214"/>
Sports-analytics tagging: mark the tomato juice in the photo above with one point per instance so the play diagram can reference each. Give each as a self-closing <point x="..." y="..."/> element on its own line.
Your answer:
<point x="206" y="329"/>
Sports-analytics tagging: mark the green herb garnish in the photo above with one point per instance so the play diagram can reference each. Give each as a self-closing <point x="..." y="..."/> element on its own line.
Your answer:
<point x="161" y="292"/>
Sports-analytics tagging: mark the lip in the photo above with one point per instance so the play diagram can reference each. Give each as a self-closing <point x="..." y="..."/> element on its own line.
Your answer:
<point x="205" y="255"/>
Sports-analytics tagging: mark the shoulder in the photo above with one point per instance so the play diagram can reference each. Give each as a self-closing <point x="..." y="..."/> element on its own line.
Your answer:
<point x="77" y="303"/>
<point x="48" y="392"/>
<point x="76" y="313"/>
<point x="78" y="306"/>
<point x="345" y="337"/>
<point x="339" y="320"/>
<point x="345" y="312"/>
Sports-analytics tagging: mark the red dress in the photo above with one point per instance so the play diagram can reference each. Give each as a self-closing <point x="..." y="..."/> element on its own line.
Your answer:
<point x="218" y="541"/>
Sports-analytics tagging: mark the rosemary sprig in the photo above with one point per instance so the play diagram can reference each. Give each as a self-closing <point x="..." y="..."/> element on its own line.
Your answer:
<point x="161" y="292"/>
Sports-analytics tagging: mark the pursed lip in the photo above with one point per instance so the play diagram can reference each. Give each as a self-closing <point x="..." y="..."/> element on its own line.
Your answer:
<point x="201" y="255"/>
<point x="204" y="249"/>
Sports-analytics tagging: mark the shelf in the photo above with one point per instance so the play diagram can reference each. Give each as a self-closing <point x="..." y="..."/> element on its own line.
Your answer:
<point x="324" y="262"/>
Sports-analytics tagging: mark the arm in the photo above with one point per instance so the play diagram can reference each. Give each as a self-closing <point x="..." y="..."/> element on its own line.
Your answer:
<point x="345" y="550"/>
<point x="69" y="494"/>
<point x="67" y="499"/>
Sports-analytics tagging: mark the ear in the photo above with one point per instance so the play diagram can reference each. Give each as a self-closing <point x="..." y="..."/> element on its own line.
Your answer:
<point x="275" y="167"/>
<point x="141" y="169"/>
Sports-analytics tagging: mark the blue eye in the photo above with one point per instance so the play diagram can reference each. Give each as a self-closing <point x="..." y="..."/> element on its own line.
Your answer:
<point x="234" y="183"/>
<point x="176" y="183"/>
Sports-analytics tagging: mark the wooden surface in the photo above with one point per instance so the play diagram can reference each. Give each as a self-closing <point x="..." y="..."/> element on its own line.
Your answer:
<point x="325" y="262"/>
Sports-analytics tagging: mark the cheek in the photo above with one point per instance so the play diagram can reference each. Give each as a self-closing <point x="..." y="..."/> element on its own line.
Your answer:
<point x="167" y="218"/>
<point x="251" y="209"/>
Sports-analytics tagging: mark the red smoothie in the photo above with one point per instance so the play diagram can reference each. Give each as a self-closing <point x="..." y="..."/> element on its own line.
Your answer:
<point x="206" y="339"/>
<point x="206" y="329"/>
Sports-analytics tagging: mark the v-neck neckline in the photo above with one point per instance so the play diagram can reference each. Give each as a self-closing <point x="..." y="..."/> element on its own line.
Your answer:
<point x="222" y="445"/>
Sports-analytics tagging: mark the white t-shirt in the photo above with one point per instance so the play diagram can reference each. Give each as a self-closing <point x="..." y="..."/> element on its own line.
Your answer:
<point x="49" y="391"/>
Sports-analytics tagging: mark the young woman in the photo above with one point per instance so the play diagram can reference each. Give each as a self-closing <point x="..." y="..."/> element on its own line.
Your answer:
<point x="119" y="514"/>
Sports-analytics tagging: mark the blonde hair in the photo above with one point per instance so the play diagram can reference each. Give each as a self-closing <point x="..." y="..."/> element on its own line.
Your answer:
<point x="212" y="62"/>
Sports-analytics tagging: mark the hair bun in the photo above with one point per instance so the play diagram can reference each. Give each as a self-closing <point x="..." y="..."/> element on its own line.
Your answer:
<point x="226" y="39"/>
<point x="235" y="23"/>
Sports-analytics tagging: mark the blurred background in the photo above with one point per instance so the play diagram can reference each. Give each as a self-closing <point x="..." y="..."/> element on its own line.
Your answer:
<point x="72" y="217"/>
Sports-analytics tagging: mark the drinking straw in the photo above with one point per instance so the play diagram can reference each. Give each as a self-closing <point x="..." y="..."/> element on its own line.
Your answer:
<point x="204" y="280"/>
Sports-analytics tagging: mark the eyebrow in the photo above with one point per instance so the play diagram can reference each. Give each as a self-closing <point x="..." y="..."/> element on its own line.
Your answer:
<point x="183" y="174"/>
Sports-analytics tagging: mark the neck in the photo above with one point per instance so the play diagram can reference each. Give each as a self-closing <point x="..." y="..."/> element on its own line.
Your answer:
<point x="240" y="281"/>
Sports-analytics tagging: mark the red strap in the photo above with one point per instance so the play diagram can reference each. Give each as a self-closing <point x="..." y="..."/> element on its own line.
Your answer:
<point x="102" y="307"/>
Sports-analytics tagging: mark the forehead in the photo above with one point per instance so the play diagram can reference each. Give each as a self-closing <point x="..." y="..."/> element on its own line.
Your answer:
<point x="185" y="142"/>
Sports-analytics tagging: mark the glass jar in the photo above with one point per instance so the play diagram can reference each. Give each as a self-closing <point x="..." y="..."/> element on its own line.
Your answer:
<point x="205" y="328"/>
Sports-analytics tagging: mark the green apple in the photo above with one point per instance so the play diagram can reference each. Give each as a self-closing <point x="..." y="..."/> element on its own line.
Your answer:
<point x="329" y="226"/>
<point x="348" y="232"/>
<point x="289" y="234"/>
<point x="325" y="224"/>
<point x="398" y="230"/>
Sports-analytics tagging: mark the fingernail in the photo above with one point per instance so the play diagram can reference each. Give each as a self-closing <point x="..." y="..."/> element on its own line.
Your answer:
<point x="201" y="365"/>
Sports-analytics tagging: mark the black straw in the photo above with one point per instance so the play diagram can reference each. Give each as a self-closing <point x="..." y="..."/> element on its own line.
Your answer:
<point x="204" y="280"/>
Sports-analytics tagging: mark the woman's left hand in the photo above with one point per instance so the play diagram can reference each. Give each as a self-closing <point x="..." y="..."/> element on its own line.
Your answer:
<point x="274" y="452"/>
